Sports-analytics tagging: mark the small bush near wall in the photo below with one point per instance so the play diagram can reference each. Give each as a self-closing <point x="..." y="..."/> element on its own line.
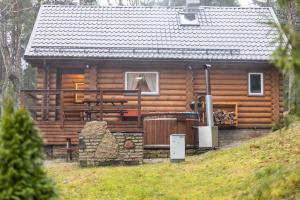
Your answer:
<point x="21" y="154"/>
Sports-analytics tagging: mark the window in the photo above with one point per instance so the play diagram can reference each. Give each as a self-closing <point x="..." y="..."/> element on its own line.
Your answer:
<point x="146" y="81"/>
<point x="255" y="84"/>
<point x="188" y="18"/>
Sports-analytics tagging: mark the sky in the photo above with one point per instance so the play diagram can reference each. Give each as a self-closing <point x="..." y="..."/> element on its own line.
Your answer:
<point x="246" y="3"/>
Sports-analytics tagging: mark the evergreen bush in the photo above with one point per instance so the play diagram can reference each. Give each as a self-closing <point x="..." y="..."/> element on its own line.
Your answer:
<point x="22" y="175"/>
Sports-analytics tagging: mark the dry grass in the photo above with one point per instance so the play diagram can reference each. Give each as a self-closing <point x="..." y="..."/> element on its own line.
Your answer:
<point x="265" y="168"/>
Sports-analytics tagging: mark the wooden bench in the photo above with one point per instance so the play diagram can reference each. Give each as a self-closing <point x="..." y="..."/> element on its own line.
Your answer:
<point x="90" y="112"/>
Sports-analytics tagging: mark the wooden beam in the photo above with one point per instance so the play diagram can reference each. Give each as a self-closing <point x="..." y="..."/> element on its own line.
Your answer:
<point x="189" y="79"/>
<point x="275" y="96"/>
<point x="90" y="74"/>
<point x="139" y="109"/>
<point x="90" y="80"/>
<point x="61" y="117"/>
<point x="46" y="86"/>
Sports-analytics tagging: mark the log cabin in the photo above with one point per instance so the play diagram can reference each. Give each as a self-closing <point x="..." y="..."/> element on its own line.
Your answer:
<point x="132" y="65"/>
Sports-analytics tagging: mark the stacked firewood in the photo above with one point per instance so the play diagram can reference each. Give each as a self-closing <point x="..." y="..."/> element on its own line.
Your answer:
<point x="224" y="117"/>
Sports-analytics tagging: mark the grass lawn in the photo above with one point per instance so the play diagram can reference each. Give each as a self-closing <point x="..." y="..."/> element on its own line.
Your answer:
<point x="265" y="168"/>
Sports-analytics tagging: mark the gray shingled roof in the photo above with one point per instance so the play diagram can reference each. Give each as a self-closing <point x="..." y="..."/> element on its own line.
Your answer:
<point x="224" y="33"/>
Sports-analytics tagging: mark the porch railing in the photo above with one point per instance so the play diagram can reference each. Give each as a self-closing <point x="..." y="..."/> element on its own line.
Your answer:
<point x="51" y="105"/>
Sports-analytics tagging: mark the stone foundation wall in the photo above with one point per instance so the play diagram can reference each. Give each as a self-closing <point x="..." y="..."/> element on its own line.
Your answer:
<point x="127" y="148"/>
<point x="233" y="137"/>
<point x="59" y="152"/>
<point x="97" y="146"/>
<point x="97" y="151"/>
<point x="165" y="153"/>
<point x="131" y="147"/>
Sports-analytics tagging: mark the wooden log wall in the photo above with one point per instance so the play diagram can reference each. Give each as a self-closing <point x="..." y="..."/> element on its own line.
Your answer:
<point x="40" y="85"/>
<point x="277" y="96"/>
<point x="189" y="87"/>
<point x="55" y="134"/>
<point x="172" y="87"/>
<point x="68" y="83"/>
<point x="50" y="84"/>
<point x="52" y="98"/>
<point x="229" y="84"/>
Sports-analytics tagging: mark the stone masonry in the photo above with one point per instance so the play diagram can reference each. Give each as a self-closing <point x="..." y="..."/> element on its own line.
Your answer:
<point x="97" y="146"/>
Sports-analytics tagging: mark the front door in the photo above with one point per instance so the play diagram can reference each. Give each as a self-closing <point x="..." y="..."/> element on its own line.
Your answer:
<point x="72" y="80"/>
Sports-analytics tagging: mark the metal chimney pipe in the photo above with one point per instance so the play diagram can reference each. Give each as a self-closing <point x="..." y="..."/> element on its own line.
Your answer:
<point x="208" y="97"/>
<point x="194" y="4"/>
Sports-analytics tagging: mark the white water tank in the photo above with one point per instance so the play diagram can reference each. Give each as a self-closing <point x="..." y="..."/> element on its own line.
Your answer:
<point x="177" y="147"/>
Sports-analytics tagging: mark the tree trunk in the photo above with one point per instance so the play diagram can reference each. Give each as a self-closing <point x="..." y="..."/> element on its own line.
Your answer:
<point x="292" y="92"/>
<point x="10" y="46"/>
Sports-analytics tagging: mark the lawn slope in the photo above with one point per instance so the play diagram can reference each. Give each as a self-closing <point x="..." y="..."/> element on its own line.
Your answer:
<point x="265" y="168"/>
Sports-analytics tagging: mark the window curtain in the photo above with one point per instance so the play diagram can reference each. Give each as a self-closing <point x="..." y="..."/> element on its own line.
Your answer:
<point x="132" y="81"/>
<point x="151" y="81"/>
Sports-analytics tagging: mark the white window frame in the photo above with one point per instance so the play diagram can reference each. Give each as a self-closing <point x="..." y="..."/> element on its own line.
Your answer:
<point x="145" y="93"/>
<point x="261" y="83"/>
<point x="79" y="96"/>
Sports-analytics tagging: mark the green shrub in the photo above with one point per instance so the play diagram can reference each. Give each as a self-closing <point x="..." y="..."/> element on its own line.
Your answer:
<point x="21" y="158"/>
<point x="277" y="126"/>
<point x="275" y="182"/>
<point x="290" y="119"/>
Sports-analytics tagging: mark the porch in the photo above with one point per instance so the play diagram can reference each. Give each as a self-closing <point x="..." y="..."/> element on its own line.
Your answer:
<point x="59" y="120"/>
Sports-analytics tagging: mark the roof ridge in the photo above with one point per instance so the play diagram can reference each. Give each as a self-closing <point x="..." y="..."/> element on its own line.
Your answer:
<point x="102" y="6"/>
<point x="170" y="7"/>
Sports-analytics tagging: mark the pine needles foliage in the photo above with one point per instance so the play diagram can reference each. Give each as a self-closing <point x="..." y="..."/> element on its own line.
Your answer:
<point x="22" y="175"/>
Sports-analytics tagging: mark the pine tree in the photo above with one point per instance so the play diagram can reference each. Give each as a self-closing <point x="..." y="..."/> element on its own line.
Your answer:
<point x="21" y="158"/>
<point x="287" y="56"/>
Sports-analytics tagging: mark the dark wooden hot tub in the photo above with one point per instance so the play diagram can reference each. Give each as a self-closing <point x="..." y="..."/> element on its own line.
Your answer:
<point x="159" y="126"/>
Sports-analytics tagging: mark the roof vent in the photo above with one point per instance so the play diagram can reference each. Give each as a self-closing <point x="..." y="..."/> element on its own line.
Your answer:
<point x="190" y="14"/>
<point x="189" y="18"/>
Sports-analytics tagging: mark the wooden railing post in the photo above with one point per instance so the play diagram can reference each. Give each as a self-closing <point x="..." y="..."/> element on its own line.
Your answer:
<point x="47" y="104"/>
<point x="139" y="109"/>
<point x="43" y="105"/>
<point x="61" y="117"/>
<point x="101" y="105"/>
<point x="22" y="98"/>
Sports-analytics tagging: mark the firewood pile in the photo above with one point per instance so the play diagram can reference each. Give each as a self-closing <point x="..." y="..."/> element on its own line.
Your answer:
<point x="223" y="117"/>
